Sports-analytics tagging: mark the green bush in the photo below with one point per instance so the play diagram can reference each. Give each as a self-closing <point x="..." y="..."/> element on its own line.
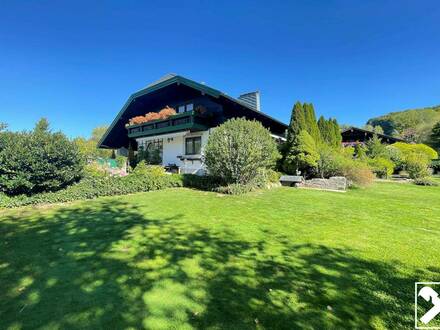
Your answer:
<point x="357" y="173"/>
<point x="121" y="161"/>
<point x="396" y="156"/>
<point x="416" y="167"/>
<point x="413" y="158"/>
<point x="272" y="176"/>
<point x="421" y="150"/>
<point x="238" y="149"/>
<point x="426" y="181"/>
<point x="93" y="187"/>
<point x="206" y="182"/>
<point x="332" y="161"/>
<point x="382" y="167"/>
<point x="154" y="170"/>
<point x="340" y="162"/>
<point x="263" y="179"/>
<point x="94" y="170"/>
<point x="235" y="189"/>
<point x="37" y="161"/>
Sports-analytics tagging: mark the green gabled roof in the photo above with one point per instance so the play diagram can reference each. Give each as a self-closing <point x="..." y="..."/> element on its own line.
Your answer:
<point x="170" y="79"/>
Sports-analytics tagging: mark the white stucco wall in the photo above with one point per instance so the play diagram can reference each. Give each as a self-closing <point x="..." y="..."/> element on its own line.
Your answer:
<point x="174" y="146"/>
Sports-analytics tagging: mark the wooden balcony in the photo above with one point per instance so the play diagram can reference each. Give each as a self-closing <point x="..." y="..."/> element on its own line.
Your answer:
<point x="179" y="122"/>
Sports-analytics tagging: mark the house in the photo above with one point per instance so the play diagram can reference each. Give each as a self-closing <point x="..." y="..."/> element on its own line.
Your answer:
<point x="179" y="139"/>
<point x="353" y="135"/>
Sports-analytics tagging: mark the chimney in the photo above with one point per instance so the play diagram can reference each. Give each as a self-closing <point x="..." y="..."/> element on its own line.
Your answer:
<point x="252" y="100"/>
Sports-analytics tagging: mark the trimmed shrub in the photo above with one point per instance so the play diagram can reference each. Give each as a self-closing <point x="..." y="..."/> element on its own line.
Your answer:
<point x="421" y="150"/>
<point x="238" y="149"/>
<point x="206" y="182"/>
<point x="37" y="161"/>
<point x="93" y="187"/>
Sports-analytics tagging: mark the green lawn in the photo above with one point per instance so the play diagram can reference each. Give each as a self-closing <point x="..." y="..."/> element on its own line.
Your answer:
<point x="183" y="259"/>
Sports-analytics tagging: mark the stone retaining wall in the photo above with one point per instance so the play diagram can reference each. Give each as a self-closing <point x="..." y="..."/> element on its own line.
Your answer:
<point x="333" y="183"/>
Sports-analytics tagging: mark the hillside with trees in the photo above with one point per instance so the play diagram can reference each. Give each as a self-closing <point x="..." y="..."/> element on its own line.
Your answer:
<point x="414" y="125"/>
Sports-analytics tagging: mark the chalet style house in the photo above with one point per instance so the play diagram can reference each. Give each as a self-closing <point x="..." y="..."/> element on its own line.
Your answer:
<point x="353" y="135"/>
<point x="192" y="111"/>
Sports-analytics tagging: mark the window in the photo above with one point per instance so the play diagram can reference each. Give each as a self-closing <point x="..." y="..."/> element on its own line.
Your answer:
<point x="185" y="107"/>
<point x="193" y="145"/>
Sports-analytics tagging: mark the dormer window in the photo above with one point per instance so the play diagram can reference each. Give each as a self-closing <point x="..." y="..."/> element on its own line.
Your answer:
<point x="185" y="107"/>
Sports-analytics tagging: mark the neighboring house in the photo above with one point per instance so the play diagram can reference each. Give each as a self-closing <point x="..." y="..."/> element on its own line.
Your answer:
<point x="180" y="139"/>
<point x="353" y="135"/>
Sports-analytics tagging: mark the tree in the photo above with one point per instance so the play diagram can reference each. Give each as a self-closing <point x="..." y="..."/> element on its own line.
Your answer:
<point x="337" y="133"/>
<point x="435" y="136"/>
<point x="311" y="124"/>
<point x="238" y="149"/>
<point x="3" y="126"/>
<point x="98" y="133"/>
<point x="375" y="148"/>
<point x="89" y="147"/>
<point x="37" y="161"/>
<point x="299" y="150"/>
<point x="378" y="129"/>
<point x="323" y="126"/>
<point x="330" y="131"/>
<point x="42" y="126"/>
<point x="303" y="155"/>
<point x="297" y="122"/>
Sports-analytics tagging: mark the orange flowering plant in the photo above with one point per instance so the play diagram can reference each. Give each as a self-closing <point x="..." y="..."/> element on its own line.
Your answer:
<point x="166" y="112"/>
<point x="150" y="116"/>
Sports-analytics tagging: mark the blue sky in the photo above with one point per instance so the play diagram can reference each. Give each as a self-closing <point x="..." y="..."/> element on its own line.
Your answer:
<point x="77" y="62"/>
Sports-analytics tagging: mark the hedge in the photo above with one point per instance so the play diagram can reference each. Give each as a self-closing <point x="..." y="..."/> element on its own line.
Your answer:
<point x="145" y="180"/>
<point x="93" y="187"/>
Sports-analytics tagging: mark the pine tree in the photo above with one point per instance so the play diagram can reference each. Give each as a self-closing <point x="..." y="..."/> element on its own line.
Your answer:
<point x="303" y="132"/>
<point x="297" y="122"/>
<point x="311" y="124"/>
<point x="323" y="128"/>
<point x="337" y="133"/>
<point x="42" y="126"/>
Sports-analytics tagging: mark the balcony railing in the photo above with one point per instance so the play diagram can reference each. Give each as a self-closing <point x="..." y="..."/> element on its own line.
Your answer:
<point x="179" y="122"/>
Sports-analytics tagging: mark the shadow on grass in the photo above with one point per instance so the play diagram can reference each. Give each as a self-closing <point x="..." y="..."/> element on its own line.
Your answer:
<point x="109" y="265"/>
